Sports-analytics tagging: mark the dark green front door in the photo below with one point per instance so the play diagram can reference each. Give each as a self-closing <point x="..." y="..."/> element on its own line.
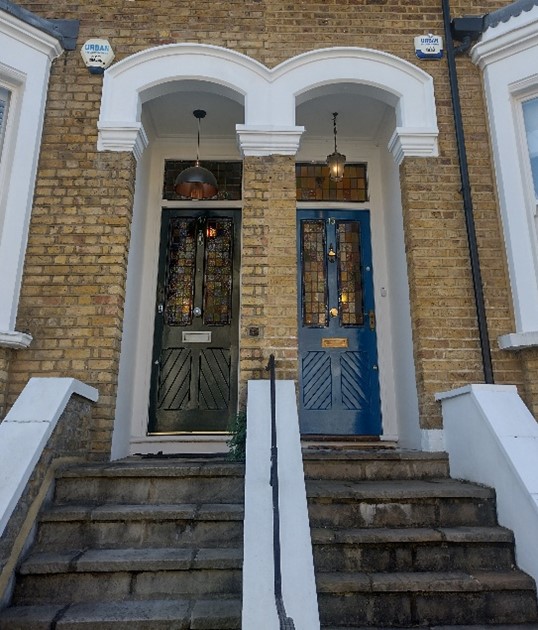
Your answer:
<point x="195" y="353"/>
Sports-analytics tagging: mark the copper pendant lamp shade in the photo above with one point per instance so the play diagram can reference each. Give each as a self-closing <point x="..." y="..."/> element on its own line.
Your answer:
<point x="196" y="181"/>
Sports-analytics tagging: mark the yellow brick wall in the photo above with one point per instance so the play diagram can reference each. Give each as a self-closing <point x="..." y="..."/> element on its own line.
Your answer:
<point x="269" y="267"/>
<point x="5" y="355"/>
<point x="73" y="290"/>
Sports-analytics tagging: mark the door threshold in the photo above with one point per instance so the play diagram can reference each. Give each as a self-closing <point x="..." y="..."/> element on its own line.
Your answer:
<point x="192" y="443"/>
<point x="346" y="441"/>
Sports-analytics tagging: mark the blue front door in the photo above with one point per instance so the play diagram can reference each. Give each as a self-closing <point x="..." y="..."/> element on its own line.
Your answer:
<point x="338" y="372"/>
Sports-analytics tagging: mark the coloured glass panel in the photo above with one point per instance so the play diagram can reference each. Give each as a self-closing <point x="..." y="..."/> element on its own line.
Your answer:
<point x="350" y="292"/>
<point x="314" y="270"/>
<point x="218" y="272"/>
<point x="314" y="183"/>
<point x="229" y="178"/>
<point x="179" y="285"/>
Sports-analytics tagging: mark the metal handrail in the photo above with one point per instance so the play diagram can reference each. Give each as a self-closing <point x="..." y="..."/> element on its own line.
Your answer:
<point x="286" y="623"/>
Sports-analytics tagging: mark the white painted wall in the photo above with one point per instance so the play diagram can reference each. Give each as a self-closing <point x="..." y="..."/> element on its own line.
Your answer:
<point x="492" y="438"/>
<point x="399" y="342"/>
<point x="298" y="582"/>
<point x="25" y="431"/>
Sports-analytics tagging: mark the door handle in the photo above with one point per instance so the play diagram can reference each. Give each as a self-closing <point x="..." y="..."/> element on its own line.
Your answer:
<point x="371" y="319"/>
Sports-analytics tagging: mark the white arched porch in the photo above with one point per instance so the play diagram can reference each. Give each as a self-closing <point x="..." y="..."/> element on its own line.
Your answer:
<point x="270" y="98"/>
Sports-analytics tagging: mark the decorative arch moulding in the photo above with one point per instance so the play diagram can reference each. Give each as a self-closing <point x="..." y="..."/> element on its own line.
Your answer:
<point x="269" y="96"/>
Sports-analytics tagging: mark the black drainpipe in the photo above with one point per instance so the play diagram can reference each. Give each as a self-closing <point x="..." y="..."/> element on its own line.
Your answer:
<point x="466" y="193"/>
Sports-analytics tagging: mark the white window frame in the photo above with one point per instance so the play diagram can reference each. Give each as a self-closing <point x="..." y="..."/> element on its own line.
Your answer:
<point x="506" y="54"/>
<point x="527" y="167"/>
<point x="13" y="82"/>
<point x="27" y="55"/>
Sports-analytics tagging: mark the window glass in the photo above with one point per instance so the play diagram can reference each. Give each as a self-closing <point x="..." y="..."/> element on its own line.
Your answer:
<point x="4" y="100"/>
<point x="530" y="116"/>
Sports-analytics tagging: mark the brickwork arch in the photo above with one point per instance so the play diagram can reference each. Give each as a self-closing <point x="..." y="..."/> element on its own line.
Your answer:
<point x="269" y="95"/>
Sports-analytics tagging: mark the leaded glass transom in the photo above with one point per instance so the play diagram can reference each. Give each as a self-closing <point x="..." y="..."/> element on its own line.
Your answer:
<point x="181" y="264"/>
<point x="314" y="279"/>
<point x="218" y="272"/>
<point x="314" y="183"/>
<point x="228" y="174"/>
<point x="350" y="291"/>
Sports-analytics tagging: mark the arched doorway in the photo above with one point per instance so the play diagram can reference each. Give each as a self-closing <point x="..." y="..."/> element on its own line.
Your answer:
<point x="274" y="103"/>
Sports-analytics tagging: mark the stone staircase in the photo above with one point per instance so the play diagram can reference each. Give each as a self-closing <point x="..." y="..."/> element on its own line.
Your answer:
<point x="153" y="544"/>
<point x="397" y="543"/>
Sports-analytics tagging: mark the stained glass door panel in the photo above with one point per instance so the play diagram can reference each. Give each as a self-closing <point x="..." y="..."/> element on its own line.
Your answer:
<point x="194" y="372"/>
<point x="339" y="385"/>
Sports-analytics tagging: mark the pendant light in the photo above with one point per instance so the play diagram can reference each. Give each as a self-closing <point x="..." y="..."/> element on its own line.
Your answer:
<point x="196" y="181"/>
<point x="336" y="161"/>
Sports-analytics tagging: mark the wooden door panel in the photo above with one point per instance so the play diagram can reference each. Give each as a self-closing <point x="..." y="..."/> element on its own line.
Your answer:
<point x="339" y="387"/>
<point x="195" y="357"/>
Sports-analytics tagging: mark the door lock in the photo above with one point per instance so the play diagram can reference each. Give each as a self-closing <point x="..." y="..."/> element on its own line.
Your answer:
<point x="160" y="309"/>
<point x="196" y="311"/>
<point x="333" y="312"/>
<point x="371" y="318"/>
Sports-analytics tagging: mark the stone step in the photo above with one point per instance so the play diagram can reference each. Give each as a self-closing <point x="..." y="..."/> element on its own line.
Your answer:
<point x="372" y="464"/>
<point x="116" y="574"/>
<point x="399" y="503"/>
<point x="408" y="598"/>
<point x="109" y="525"/>
<point x="168" y="614"/>
<point x="154" y="482"/>
<point x="480" y="626"/>
<point x="413" y="549"/>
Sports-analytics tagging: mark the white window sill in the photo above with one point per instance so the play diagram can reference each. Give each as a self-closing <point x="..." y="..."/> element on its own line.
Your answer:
<point x="518" y="341"/>
<point x="14" y="339"/>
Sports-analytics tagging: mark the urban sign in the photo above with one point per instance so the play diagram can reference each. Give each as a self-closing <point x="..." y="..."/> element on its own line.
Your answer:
<point x="429" y="46"/>
<point x="97" y="55"/>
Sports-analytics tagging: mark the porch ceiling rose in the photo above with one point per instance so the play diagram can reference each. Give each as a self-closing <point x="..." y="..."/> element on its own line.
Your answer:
<point x="270" y="96"/>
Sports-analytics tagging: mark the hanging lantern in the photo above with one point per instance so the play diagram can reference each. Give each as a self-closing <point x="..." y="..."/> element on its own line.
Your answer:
<point x="336" y="161"/>
<point x="196" y="181"/>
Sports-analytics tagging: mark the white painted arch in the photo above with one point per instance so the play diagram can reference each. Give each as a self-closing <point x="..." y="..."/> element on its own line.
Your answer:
<point x="269" y="96"/>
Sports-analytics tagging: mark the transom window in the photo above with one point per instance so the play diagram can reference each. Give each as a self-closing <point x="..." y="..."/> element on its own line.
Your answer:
<point x="314" y="183"/>
<point x="530" y="118"/>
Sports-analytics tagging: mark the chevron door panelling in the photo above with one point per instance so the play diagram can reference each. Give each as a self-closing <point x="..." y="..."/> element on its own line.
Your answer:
<point x="317" y="381"/>
<point x="174" y="379"/>
<point x="355" y="375"/>
<point x="214" y="387"/>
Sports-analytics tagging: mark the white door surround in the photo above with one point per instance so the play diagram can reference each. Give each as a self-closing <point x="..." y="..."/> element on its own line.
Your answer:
<point x="269" y="98"/>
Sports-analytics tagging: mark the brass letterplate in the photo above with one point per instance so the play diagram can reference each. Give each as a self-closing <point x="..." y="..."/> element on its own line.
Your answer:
<point x="334" y="342"/>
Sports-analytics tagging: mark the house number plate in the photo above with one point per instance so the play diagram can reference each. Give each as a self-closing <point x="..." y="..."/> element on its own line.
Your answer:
<point x="334" y="342"/>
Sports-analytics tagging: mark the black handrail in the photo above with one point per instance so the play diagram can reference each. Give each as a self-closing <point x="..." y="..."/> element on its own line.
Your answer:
<point x="286" y="623"/>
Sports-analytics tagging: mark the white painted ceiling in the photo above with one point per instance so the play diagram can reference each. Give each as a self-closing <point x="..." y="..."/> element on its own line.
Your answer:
<point x="360" y="116"/>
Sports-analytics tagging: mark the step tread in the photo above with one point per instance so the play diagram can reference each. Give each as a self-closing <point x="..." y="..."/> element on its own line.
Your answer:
<point x="347" y="454"/>
<point x="427" y="581"/>
<point x="516" y="626"/>
<point x="134" y="512"/>
<point x="146" y="559"/>
<point x="183" y="613"/>
<point x="387" y="535"/>
<point x="396" y="489"/>
<point x="152" y="468"/>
